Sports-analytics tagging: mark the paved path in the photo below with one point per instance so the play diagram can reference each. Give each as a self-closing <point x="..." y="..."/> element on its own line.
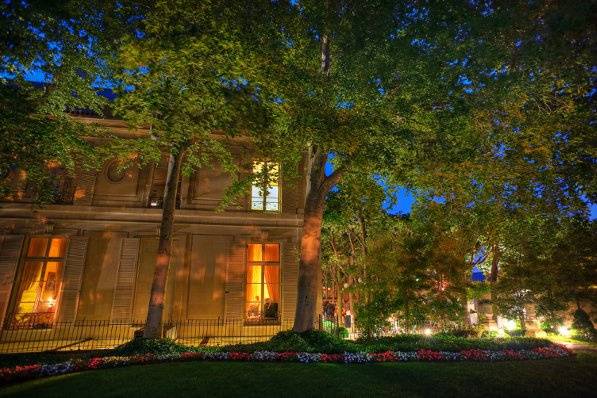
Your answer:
<point x="580" y="347"/>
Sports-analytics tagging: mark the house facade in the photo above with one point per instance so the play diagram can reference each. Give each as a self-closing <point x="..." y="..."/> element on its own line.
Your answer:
<point x="91" y="256"/>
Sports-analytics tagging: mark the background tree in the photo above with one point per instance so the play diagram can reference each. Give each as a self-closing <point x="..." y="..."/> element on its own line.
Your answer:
<point x="550" y="264"/>
<point x="65" y="46"/>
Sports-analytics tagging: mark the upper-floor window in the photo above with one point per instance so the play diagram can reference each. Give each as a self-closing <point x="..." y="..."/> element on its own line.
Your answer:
<point x="265" y="190"/>
<point x="263" y="282"/>
<point x="36" y="294"/>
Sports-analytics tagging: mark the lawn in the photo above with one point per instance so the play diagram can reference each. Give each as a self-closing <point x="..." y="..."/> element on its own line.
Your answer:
<point x="572" y="377"/>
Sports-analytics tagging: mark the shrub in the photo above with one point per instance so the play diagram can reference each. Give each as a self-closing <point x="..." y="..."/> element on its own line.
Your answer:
<point x="342" y="332"/>
<point x="583" y="326"/>
<point x="288" y="341"/>
<point x="470" y="332"/>
<point x="445" y="343"/>
<point x="324" y="342"/>
<point x="515" y="333"/>
<point x="489" y="334"/>
<point x="151" y="346"/>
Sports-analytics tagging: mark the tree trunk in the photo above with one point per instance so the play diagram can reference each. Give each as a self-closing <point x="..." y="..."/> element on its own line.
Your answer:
<point x="493" y="274"/>
<point x="158" y="286"/>
<point x="309" y="283"/>
<point x="309" y="278"/>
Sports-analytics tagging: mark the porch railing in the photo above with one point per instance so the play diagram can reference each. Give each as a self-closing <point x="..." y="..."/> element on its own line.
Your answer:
<point x="97" y="335"/>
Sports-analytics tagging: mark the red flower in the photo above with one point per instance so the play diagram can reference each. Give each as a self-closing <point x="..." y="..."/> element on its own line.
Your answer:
<point x="95" y="363"/>
<point x="239" y="356"/>
<point x="387" y="356"/>
<point x="286" y="356"/>
<point x="331" y="358"/>
<point x="512" y="354"/>
<point x="474" y="354"/>
<point x="188" y="356"/>
<point x="429" y="355"/>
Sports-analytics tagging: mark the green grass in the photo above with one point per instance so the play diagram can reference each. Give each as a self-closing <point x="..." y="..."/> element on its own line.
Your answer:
<point x="556" y="338"/>
<point x="572" y="377"/>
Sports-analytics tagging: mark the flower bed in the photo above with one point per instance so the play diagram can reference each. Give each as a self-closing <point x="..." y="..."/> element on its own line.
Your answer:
<point x="20" y="373"/>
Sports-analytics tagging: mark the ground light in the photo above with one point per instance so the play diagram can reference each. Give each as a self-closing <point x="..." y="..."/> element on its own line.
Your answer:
<point x="510" y="325"/>
<point x="427" y="332"/>
<point x="564" y="331"/>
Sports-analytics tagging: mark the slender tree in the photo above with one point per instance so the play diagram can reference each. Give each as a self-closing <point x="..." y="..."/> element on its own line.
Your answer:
<point x="182" y="78"/>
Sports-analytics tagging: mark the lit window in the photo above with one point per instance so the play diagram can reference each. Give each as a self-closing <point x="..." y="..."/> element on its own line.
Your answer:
<point x="37" y="292"/>
<point x="263" y="282"/>
<point x="265" y="192"/>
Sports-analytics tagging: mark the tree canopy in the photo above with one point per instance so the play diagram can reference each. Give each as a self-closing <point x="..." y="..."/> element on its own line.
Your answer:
<point x="483" y="106"/>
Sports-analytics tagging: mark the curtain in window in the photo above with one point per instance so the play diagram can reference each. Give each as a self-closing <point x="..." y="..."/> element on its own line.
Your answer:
<point x="29" y="286"/>
<point x="272" y="285"/>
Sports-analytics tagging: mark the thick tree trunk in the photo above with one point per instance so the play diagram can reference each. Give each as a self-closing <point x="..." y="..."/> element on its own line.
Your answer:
<point x="309" y="278"/>
<point x="309" y="283"/>
<point x="158" y="286"/>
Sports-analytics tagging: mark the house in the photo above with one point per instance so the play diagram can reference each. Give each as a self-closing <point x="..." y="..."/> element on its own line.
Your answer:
<point x="83" y="266"/>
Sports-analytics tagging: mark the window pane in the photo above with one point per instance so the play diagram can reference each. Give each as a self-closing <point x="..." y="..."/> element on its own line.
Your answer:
<point x="255" y="252"/>
<point x="256" y="198"/>
<point x="271" y="304"/>
<point x="50" y="287"/>
<point x="253" y="311"/>
<point x="57" y="247"/>
<point x="37" y="247"/>
<point x="271" y="274"/>
<point x="271" y="200"/>
<point x="253" y="274"/>
<point x="257" y="167"/>
<point x="253" y="293"/>
<point x="272" y="252"/>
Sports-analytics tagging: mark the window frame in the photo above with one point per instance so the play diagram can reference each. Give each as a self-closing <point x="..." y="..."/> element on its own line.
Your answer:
<point x="262" y="264"/>
<point x="264" y="188"/>
<point x="10" y="322"/>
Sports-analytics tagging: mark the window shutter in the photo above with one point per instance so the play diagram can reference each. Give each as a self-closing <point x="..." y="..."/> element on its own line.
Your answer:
<point x="10" y="249"/>
<point x="235" y="280"/>
<point x="289" y="264"/>
<point x="73" y="275"/>
<point x="125" y="281"/>
<point x="85" y="188"/>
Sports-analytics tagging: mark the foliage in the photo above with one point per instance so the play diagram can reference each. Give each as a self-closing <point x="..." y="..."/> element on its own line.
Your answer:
<point x="321" y="342"/>
<point x="418" y="273"/>
<point x="584" y="328"/>
<point x="549" y="263"/>
<point x="64" y="46"/>
<point x="142" y="345"/>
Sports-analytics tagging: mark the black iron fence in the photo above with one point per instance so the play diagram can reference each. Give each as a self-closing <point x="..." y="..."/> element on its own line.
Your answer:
<point x="96" y="335"/>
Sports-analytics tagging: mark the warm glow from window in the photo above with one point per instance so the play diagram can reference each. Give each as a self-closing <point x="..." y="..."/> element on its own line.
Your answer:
<point x="265" y="192"/>
<point x="262" y="293"/>
<point x="39" y="283"/>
